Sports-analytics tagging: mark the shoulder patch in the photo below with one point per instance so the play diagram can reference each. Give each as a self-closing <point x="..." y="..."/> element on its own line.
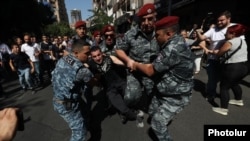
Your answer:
<point x="160" y="56"/>
<point x="69" y="60"/>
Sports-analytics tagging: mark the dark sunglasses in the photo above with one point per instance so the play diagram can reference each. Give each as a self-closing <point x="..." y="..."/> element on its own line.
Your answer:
<point x="109" y="35"/>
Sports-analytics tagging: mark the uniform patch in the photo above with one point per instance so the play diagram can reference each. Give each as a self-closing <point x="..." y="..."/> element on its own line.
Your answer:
<point x="160" y="56"/>
<point x="69" y="60"/>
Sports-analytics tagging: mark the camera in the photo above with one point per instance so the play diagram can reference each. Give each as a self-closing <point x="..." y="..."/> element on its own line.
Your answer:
<point x="20" y="121"/>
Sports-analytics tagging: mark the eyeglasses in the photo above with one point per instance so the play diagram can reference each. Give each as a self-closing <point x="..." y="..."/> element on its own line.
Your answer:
<point x="109" y="35"/>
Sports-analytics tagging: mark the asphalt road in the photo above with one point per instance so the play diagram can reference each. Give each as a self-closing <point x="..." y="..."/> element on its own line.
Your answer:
<point x="43" y="124"/>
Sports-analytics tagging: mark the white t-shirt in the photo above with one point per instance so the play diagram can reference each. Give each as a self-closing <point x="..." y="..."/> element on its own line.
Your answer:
<point x="30" y="50"/>
<point x="217" y="38"/>
<point x="241" y="54"/>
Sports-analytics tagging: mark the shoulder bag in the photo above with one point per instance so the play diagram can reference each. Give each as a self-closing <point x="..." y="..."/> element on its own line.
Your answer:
<point x="226" y="56"/>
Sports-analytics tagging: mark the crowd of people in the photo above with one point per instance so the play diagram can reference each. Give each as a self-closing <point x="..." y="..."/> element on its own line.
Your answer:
<point x="155" y="59"/>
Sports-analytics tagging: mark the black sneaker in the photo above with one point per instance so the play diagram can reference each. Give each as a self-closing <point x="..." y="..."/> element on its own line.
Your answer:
<point x="139" y="119"/>
<point x="210" y="98"/>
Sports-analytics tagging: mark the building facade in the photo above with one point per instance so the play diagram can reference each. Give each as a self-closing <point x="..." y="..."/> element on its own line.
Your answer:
<point x="190" y="11"/>
<point x="75" y="16"/>
<point x="59" y="9"/>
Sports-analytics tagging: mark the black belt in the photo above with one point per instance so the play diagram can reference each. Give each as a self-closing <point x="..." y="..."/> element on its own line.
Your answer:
<point x="64" y="101"/>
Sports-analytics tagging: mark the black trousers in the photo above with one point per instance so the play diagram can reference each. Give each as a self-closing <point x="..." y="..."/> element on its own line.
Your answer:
<point x="115" y="95"/>
<point x="231" y="75"/>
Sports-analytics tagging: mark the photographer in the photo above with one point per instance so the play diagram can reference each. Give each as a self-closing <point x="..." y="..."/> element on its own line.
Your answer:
<point x="8" y="123"/>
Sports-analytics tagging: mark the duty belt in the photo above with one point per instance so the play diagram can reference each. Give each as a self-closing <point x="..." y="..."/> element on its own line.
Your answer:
<point x="64" y="101"/>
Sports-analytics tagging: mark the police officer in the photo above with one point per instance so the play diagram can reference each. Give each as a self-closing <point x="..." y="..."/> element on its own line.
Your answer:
<point x="68" y="78"/>
<point x="108" y="44"/>
<point x="172" y="72"/>
<point x="113" y="74"/>
<point x="97" y="39"/>
<point x="81" y="33"/>
<point x="139" y="44"/>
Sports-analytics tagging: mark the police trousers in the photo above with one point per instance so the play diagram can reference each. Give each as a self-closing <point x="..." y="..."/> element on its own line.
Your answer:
<point x="162" y="110"/>
<point x="137" y="84"/>
<point x="74" y="119"/>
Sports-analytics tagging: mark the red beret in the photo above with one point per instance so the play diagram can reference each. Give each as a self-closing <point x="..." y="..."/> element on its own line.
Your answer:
<point x="146" y="9"/>
<point x="108" y="28"/>
<point x="166" y="22"/>
<point x="96" y="33"/>
<point x="80" y="23"/>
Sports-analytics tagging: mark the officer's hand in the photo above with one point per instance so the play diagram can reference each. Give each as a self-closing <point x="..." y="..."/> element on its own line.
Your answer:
<point x="130" y="65"/>
<point x="8" y="124"/>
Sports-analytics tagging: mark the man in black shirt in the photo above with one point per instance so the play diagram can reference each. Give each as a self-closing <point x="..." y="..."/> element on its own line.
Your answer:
<point x="21" y="63"/>
<point x="113" y="77"/>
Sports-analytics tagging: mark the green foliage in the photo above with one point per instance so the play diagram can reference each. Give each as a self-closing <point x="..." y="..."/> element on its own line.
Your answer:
<point x="58" y="29"/>
<point x="99" y="19"/>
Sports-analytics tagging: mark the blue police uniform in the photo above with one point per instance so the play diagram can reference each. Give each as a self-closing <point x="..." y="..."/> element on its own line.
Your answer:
<point x="68" y="78"/>
<point x="143" y="49"/>
<point x="173" y="84"/>
<point x="76" y="37"/>
<point x="107" y="50"/>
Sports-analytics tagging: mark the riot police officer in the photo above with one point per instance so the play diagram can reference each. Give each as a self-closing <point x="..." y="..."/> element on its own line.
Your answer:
<point x="68" y="79"/>
<point x="172" y="72"/>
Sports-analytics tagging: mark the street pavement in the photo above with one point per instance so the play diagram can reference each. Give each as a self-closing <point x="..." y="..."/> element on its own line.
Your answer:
<point x="43" y="124"/>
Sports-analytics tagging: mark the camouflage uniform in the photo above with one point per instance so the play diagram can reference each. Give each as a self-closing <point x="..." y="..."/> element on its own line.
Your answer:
<point x="68" y="78"/>
<point x="106" y="50"/>
<point x="88" y="90"/>
<point x="173" y="84"/>
<point x="85" y="38"/>
<point x="141" y="49"/>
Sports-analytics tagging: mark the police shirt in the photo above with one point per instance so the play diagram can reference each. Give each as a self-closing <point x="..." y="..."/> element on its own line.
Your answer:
<point x="138" y="46"/>
<point x="69" y="77"/>
<point x="174" y="68"/>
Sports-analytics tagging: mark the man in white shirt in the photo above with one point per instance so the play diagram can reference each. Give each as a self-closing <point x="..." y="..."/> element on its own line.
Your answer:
<point x="216" y="36"/>
<point x="33" y="51"/>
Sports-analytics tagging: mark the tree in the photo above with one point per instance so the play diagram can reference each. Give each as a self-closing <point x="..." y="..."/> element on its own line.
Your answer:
<point x="58" y="29"/>
<point x="99" y="19"/>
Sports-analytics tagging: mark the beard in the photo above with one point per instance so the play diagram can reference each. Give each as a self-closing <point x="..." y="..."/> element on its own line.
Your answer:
<point x="147" y="28"/>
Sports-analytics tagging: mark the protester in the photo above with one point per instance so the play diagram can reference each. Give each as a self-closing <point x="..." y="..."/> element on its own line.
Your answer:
<point x="33" y="50"/>
<point x="198" y="52"/>
<point x="47" y="61"/>
<point x="172" y="72"/>
<point x="21" y="63"/>
<point x="216" y="38"/>
<point x="113" y="74"/>
<point x="234" y="68"/>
